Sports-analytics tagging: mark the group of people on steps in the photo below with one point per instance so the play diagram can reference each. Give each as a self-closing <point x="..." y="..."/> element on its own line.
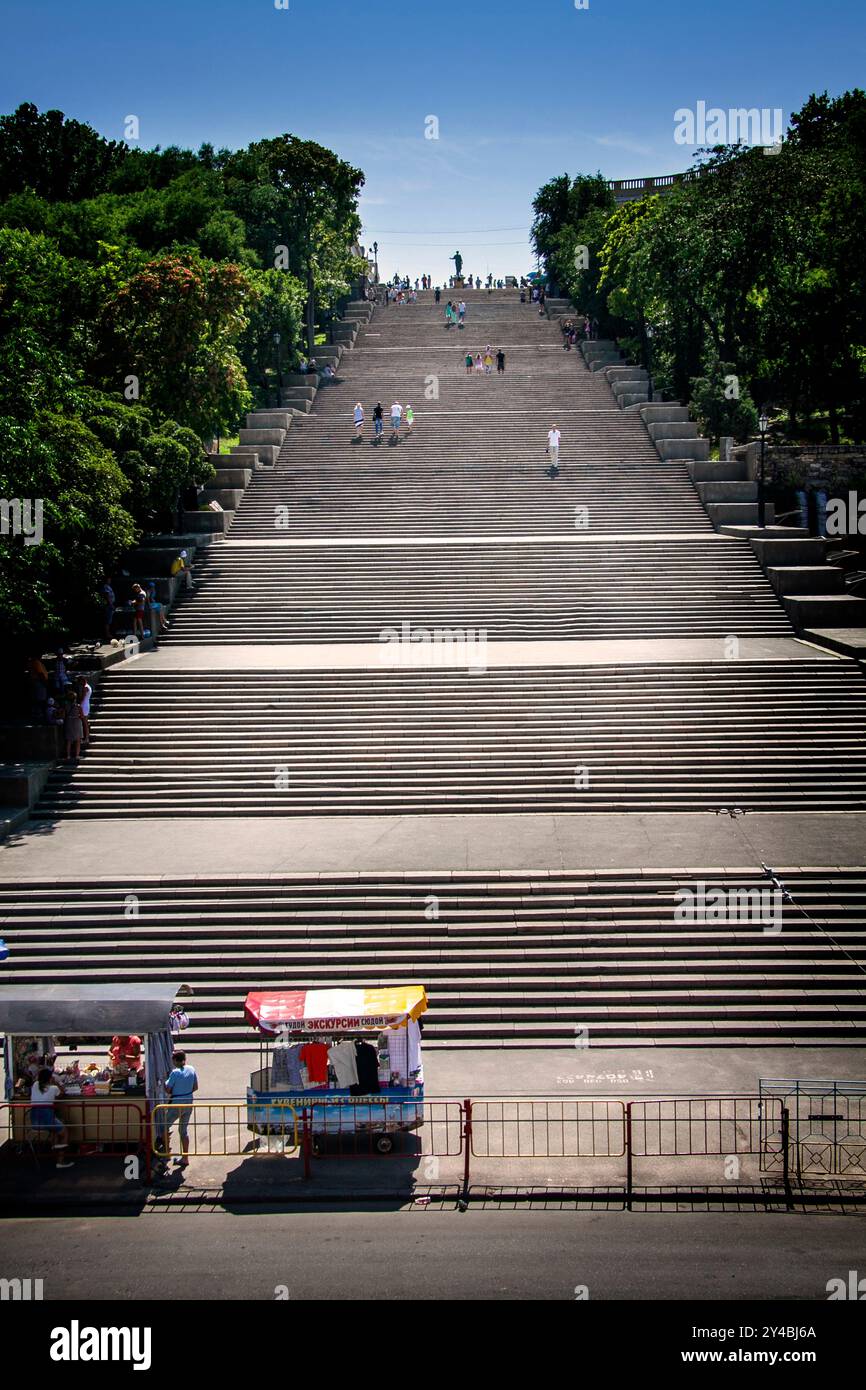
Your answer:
<point x="484" y="364"/>
<point x="397" y="415"/>
<point x="481" y="363"/>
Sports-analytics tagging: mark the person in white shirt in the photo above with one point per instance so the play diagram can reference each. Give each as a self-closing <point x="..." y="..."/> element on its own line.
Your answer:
<point x="43" y="1094"/>
<point x="85" y="691"/>
<point x="359" y="419"/>
<point x="396" y="417"/>
<point x="553" y="438"/>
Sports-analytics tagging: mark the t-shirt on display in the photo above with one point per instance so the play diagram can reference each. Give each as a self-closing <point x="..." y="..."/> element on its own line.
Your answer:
<point x="342" y="1058"/>
<point x="315" y="1058"/>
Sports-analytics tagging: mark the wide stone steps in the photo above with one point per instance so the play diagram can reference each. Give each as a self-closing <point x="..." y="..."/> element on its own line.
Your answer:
<point x="521" y="591"/>
<point x="618" y="546"/>
<point x="527" y="958"/>
<point x="476" y="462"/>
<point x="471" y="486"/>
<point x="771" y="735"/>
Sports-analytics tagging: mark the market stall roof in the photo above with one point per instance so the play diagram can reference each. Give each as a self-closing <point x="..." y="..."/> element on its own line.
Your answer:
<point x="96" y="1009"/>
<point x="335" y="1010"/>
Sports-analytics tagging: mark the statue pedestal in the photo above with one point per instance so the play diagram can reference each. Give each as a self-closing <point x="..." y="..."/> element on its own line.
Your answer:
<point x="458" y="282"/>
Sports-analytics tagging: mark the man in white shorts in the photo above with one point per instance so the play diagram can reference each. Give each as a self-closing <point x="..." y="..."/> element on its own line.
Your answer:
<point x="553" y="438"/>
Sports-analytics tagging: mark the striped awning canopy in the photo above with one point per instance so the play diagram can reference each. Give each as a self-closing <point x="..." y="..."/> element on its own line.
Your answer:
<point x="334" y="1010"/>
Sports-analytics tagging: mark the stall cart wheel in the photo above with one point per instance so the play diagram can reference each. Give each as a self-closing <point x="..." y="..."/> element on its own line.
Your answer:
<point x="384" y="1143"/>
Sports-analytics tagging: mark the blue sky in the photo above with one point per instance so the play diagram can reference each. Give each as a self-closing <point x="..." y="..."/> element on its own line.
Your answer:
<point x="521" y="91"/>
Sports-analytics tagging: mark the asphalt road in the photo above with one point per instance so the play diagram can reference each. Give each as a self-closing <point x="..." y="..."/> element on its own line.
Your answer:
<point x="434" y="1254"/>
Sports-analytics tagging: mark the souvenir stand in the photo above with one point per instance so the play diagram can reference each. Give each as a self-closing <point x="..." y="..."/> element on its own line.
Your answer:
<point x="350" y="1058"/>
<point x="109" y="1047"/>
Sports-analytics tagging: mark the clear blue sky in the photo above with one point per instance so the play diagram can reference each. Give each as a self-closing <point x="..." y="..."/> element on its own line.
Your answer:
<point x="521" y="91"/>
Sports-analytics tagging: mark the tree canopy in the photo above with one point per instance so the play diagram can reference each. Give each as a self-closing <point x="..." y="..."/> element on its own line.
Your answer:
<point x="140" y="295"/>
<point x="754" y="264"/>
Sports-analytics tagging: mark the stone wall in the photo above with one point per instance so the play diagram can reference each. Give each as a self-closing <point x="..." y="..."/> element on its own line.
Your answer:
<point x="831" y="466"/>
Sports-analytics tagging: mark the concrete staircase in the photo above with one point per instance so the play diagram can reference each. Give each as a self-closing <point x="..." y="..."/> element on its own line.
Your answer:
<point x="761" y="735"/>
<point x="811" y="590"/>
<point x="476" y="461"/>
<point x="528" y="959"/>
<point x="271" y="699"/>
<point x="522" y="591"/>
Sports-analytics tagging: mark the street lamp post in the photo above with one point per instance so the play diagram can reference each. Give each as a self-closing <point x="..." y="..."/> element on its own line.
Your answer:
<point x="650" y="332"/>
<point x="763" y="424"/>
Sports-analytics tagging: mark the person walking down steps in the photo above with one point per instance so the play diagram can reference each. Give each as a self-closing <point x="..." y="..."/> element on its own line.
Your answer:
<point x="553" y="440"/>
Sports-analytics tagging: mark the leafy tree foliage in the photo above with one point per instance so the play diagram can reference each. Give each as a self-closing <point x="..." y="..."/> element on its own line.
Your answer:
<point x="754" y="262"/>
<point x="173" y="326"/>
<point x="140" y="292"/>
<point x="47" y="589"/>
<point x="297" y="195"/>
<point x="54" y="157"/>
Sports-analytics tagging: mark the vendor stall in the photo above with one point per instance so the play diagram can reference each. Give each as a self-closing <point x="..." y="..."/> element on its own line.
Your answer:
<point x="345" y="1061"/>
<point x="109" y="1048"/>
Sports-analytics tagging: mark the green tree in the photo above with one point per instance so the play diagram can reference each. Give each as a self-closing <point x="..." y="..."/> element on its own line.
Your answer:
<point x="55" y="157"/>
<point x="719" y="404"/>
<point x="173" y="327"/>
<point x="276" y="305"/>
<point x="158" y="459"/>
<point x="568" y="231"/>
<point x="314" y="210"/>
<point x="51" y="588"/>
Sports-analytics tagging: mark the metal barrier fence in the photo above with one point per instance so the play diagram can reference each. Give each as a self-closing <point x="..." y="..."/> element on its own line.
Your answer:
<point x="699" y="1125"/>
<point x="787" y="1131"/>
<point x="92" y="1128"/>
<point x="343" y="1128"/>
<point x="429" y="1128"/>
<point x="221" y="1129"/>
<point x="548" y="1128"/>
<point x="827" y="1125"/>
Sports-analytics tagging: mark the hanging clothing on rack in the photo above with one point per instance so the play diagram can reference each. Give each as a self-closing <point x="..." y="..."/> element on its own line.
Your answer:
<point x="404" y="1049"/>
<point x="286" y="1065"/>
<point x="341" y="1056"/>
<point x="315" y="1057"/>
<point x="367" y="1062"/>
<point x="413" y="1033"/>
<point x="398" y="1051"/>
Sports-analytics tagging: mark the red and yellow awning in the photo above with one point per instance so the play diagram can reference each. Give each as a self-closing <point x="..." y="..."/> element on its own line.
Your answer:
<point x="334" y="1010"/>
